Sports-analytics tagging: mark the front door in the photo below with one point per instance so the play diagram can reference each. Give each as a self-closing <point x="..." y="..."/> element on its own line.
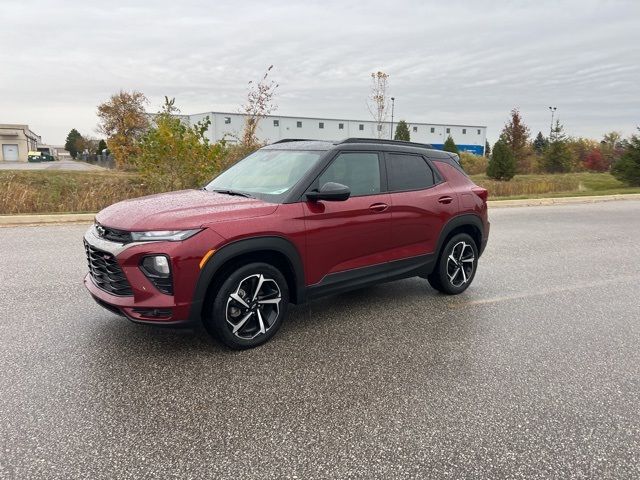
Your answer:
<point x="349" y="234"/>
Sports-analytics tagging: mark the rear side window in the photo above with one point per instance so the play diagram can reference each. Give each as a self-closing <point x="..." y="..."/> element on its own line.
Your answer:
<point x="358" y="171"/>
<point x="408" y="172"/>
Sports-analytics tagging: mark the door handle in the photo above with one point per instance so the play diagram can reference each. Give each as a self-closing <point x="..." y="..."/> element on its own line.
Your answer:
<point x="445" y="200"/>
<point x="379" y="207"/>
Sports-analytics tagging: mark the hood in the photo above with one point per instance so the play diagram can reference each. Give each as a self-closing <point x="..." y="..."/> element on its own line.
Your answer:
<point x="181" y="210"/>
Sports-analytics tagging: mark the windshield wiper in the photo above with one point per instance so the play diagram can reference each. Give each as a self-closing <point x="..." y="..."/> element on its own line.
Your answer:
<point x="234" y="192"/>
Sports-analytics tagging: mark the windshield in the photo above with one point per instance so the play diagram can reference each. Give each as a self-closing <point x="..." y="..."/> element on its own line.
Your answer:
<point x="266" y="174"/>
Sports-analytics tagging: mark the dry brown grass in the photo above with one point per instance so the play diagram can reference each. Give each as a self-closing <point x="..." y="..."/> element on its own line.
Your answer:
<point x="50" y="192"/>
<point x="60" y="191"/>
<point x="529" y="185"/>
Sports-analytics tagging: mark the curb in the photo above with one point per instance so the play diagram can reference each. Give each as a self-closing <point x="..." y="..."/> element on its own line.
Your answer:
<point x="84" y="218"/>
<point x="59" y="218"/>
<point x="539" y="202"/>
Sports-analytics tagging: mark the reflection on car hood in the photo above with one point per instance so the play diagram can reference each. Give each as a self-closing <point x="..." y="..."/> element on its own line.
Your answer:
<point x="181" y="210"/>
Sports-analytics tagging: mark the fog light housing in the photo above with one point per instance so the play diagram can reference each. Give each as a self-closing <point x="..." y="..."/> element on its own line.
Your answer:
<point x="157" y="268"/>
<point x="157" y="265"/>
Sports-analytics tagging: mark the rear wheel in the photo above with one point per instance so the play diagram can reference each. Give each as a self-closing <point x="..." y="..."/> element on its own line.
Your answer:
<point x="456" y="266"/>
<point x="249" y="306"/>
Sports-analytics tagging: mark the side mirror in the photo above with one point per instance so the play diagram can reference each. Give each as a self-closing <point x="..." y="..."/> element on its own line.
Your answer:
<point x="330" y="191"/>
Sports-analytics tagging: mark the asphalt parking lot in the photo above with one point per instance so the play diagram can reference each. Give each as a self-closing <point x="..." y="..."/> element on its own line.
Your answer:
<point x="66" y="164"/>
<point x="534" y="372"/>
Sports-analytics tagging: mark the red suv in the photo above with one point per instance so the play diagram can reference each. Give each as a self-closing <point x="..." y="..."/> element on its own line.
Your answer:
<point x="293" y="221"/>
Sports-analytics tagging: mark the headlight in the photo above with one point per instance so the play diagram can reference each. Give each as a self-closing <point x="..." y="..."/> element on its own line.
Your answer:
<point x="170" y="235"/>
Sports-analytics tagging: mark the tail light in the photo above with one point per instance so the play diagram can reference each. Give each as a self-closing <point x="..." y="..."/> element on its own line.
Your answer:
<point x="483" y="193"/>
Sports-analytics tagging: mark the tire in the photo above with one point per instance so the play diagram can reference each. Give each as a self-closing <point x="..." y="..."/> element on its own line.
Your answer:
<point x="448" y="276"/>
<point x="238" y="318"/>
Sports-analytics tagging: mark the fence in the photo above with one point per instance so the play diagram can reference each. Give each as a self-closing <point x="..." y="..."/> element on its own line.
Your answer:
<point x="102" y="160"/>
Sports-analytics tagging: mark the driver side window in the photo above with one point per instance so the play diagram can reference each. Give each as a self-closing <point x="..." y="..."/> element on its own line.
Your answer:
<point x="359" y="171"/>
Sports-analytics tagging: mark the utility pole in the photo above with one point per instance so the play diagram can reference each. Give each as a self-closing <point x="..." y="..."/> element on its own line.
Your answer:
<point x="393" y="104"/>
<point x="553" y="111"/>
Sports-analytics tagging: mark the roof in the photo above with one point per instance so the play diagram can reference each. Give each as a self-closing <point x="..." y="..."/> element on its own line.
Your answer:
<point x="355" y="143"/>
<point x="273" y="116"/>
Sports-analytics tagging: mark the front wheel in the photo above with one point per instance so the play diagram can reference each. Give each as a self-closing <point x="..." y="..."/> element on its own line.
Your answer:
<point x="456" y="266"/>
<point x="249" y="306"/>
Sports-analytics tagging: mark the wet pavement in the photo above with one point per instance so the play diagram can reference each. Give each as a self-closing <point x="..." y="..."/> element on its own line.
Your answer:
<point x="534" y="372"/>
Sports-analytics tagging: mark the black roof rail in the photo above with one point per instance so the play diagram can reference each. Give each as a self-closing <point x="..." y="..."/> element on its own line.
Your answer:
<point x="385" y="142"/>
<point x="287" y="140"/>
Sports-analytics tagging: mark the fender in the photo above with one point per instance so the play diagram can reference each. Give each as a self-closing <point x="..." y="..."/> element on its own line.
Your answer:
<point x="240" y="247"/>
<point x="461" y="221"/>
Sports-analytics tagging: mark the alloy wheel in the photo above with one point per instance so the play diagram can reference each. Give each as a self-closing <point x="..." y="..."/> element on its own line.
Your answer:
<point x="253" y="308"/>
<point x="460" y="264"/>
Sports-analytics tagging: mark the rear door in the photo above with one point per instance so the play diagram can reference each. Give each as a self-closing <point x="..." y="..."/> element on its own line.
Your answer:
<point x="421" y="203"/>
<point x="344" y="235"/>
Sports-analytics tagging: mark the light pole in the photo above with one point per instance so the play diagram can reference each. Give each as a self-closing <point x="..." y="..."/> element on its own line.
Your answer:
<point x="553" y="111"/>
<point x="393" y="104"/>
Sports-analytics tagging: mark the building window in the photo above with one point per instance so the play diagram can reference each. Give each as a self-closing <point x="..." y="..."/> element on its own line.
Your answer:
<point x="433" y="130"/>
<point x="464" y="131"/>
<point x="478" y="131"/>
<point x="299" y="124"/>
<point x="448" y="130"/>
<point x="415" y="129"/>
<point x="341" y="126"/>
<point x="321" y="125"/>
<point x="276" y="123"/>
<point x="361" y="127"/>
<point x="227" y="120"/>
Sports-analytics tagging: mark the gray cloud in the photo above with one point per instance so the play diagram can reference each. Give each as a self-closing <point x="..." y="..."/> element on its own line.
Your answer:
<point x="455" y="61"/>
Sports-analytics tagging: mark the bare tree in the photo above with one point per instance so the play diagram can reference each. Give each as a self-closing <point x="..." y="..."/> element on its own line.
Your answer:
<point x="377" y="102"/>
<point x="259" y="104"/>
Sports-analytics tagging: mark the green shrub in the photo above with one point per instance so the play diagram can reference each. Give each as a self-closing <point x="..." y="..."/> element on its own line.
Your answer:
<point x="627" y="168"/>
<point x="502" y="165"/>
<point x="473" y="164"/>
<point x="174" y="156"/>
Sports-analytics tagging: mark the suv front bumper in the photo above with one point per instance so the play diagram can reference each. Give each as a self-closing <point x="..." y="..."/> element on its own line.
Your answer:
<point x="146" y="304"/>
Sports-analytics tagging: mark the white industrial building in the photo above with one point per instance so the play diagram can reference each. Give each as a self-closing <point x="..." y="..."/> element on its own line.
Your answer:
<point x="470" y="138"/>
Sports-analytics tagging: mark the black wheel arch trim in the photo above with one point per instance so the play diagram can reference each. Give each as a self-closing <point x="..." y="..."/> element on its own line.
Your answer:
<point x="467" y="219"/>
<point x="241" y="247"/>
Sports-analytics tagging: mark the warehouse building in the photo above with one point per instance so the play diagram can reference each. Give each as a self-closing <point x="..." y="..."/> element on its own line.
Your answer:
<point x="16" y="141"/>
<point x="469" y="138"/>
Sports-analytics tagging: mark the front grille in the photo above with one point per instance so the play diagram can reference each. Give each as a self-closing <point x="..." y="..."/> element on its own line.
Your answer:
<point x="106" y="273"/>
<point x="112" y="234"/>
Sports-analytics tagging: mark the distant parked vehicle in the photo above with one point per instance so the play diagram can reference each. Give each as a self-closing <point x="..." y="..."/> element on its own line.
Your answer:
<point x="47" y="154"/>
<point x="35" y="156"/>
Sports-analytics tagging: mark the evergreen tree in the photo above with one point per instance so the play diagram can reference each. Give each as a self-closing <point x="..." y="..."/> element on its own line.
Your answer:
<point x="502" y="165"/>
<point x="627" y="169"/>
<point x="557" y="157"/>
<point x="402" y="132"/>
<point x="487" y="149"/>
<point x="516" y="135"/>
<point x="540" y="143"/>
<point x="73" y="140"/>
<point x="450" y="146"/>
<point x="101" y="146"/>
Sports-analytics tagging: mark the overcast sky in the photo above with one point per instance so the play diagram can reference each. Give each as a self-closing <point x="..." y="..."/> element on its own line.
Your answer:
<point x="448" y="61"/>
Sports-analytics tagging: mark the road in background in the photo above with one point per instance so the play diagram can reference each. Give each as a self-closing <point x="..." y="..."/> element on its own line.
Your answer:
<point x="57" y="165"/>
<point x="534" y="372"/>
